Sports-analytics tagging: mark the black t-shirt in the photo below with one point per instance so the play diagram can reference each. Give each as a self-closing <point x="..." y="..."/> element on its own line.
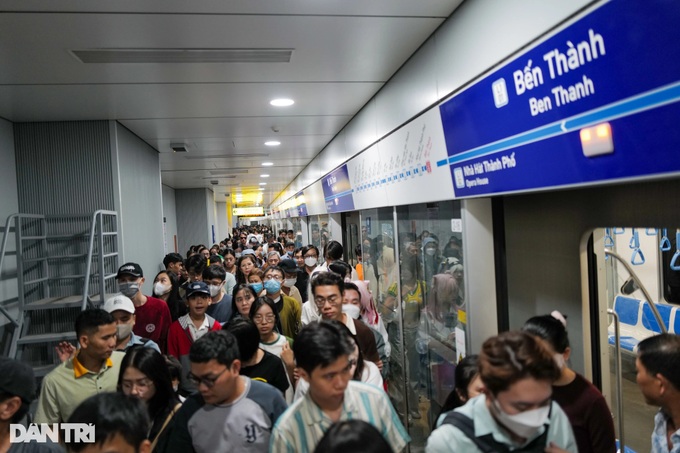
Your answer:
<point x="269" y="370"/>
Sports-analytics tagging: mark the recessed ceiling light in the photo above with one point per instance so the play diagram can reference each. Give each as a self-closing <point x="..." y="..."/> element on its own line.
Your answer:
<point x="282" y="102"/>
<point x="261" y="188"/>
<point x="263" y="183"/>
<point x="272" y="143"/>
<point x="264" y="176"/>
<point x="267" y="164"/>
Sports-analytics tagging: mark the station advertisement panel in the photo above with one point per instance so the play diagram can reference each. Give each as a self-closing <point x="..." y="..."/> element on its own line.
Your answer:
<point x="595" y="101"/>
<point x="337" y="191"/>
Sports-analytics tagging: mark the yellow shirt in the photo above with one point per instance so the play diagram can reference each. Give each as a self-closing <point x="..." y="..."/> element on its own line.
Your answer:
<point x="70" y="383"/>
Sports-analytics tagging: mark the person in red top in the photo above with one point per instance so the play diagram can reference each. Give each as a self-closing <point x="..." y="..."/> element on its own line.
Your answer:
<point x="152" y="315"/>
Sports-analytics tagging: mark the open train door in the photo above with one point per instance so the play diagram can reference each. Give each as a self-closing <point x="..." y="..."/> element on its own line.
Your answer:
<point x="625" y="270"/>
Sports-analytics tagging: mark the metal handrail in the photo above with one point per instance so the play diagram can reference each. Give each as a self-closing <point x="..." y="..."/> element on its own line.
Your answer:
<point x="619" y="378"/>
<point x="650" y="301"/>
<point x="98" y="215"/>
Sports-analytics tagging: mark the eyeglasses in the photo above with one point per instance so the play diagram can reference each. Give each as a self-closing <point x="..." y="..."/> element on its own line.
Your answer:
<point x="207" y="381"/>
<point x="259" y="319"/>
<point x="278" y="278"/>
<point x="320" y="301"/>
<point x="331" y="376"/>
<point x="143" y="385"/>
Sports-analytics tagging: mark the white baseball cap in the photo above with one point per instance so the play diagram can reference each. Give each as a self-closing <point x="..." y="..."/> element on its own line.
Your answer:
<point x="119" y="302"/>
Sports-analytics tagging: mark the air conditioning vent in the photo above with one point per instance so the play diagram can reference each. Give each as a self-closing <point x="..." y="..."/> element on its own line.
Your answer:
<point x="227" y="156"/>
<point x="183" y="55"/>
<point x="179" y="147"/>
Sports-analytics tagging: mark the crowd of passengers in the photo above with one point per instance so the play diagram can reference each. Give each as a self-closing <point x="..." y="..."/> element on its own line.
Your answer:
<point x="258" y="344"/>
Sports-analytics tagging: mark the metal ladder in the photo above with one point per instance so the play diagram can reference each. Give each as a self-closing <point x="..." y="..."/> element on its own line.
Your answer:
<point x="64" y="264"/>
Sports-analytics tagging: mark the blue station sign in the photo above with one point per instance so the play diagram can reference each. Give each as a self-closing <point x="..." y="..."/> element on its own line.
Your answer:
<point x="596" y="101"/>
<point x="337" y="191"/>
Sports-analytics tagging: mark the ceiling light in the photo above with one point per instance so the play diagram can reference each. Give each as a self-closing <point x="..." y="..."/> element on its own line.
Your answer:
<point x="272" y="143"/>
<point x="261" y="188"/>
<point x="282" y="102"/>
<point x="264" y="176"/>
<point x="267" y="164"/>
<point x="263" y="183"/>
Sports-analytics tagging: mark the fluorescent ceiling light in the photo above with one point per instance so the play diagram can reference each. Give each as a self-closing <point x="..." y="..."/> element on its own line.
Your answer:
<point x="261" y="188"/>
<point x="267" y="164"/>
<point x="272" y="143"/>
<point x="282" y="102"/>
<point x="264" y="176"/>
<point x="263" y="183"/>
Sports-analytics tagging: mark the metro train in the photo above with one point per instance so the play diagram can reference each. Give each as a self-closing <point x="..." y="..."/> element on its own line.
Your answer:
<point x="540" y="176"/>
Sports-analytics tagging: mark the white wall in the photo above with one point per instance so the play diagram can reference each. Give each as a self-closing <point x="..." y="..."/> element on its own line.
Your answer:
<point x="223" y="228"/>
<point x="139" y="201"/>
<point x="170" y="218"/>
<point x="212" y="217"/>
<point x="9" y="204"/>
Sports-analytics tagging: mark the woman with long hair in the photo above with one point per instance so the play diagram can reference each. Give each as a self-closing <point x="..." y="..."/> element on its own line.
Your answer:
<point x="242" y="298"/>
<point x="144" y="375"/>
<point x="467" y="385"/>
<point x="244" y="267"/>
<point x="166" y="288"/>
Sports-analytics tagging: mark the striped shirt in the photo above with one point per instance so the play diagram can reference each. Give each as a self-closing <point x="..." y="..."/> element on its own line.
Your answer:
<point x="303" y="425"/>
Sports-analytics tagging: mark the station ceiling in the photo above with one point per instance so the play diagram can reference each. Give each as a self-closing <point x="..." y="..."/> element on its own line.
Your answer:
<point x="202" y="74"/>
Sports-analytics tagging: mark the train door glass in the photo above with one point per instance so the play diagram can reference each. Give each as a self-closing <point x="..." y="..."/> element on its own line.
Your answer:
<point x="432" y="296"/>
<point x="319" y="233"/>
<point x="296" y="226"/>
<point x="636" y="269"/>
<point x="350" y="239"/>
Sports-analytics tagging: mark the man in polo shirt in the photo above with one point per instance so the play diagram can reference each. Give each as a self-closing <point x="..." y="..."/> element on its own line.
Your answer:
<point x="322" y="351"/>
<point x="123" y="311"/>
<point x="229" y="412"/>
<point x="94" y="369"/>
<point x="152" y="315"/>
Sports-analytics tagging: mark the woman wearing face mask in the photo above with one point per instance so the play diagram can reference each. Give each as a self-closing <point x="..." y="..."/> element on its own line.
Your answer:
<point x="583" y="403"/>
<point x="166" y="288"/>
<point x="516" y="410"/>
<point x="144" y="375"/>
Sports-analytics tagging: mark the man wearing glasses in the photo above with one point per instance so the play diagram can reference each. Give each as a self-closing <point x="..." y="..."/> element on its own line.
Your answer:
<point x="322" y="352"/>
<point x="229" y="412"/>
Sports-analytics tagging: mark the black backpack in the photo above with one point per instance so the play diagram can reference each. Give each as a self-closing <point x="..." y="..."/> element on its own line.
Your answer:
<point x="487" y="443"/>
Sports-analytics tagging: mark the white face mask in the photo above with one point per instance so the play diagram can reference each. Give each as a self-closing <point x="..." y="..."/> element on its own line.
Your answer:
<point x="525" y="424"/>
<point x="431" y="252"/>
<point x="214" y="290"/>
<point x="353" y="311"/>
<point x="310" y="262"/>
<point x="123" y="330"/>
<point x="159" y="289"/>
<point x="289" y="282"/>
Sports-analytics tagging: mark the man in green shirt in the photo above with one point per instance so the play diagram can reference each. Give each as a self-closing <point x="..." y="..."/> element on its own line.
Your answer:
<point x="94" y="369"/>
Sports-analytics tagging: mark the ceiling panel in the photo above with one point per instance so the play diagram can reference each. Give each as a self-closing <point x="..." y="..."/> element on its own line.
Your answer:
<point x="343" y="51"/>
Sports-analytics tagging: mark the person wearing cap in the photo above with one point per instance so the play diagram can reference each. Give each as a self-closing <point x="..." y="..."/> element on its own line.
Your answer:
<point x="290" y="275"/>
<point x="94" y="368"/>
<point x="152" y="315"/>
<point x="123" y="311"/>
<point x="190" y="327"/>
<point x="17" y="391"/>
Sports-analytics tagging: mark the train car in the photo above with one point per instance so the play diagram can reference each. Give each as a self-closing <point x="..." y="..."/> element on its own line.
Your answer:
<point x="523" y="159"/>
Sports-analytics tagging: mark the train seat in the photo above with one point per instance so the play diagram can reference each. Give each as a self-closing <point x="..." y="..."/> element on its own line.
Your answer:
<point x="628" y="310"/>
<point x="649" y="321"/>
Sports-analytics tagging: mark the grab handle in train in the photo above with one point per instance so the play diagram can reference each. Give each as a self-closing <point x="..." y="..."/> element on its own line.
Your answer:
<point x="608" y="239"/>
<point x="634" y="242"/>
<point x="637" y="253"/>
<point x="619" y="377"/>
<point x="651" y="231"/>
<point x="665" y="244"/>
<point x="619" y="230"/>
<point x="674" y="266"/>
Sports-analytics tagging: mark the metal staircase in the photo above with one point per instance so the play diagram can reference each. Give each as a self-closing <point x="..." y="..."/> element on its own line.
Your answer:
<point x="64" y="264"/>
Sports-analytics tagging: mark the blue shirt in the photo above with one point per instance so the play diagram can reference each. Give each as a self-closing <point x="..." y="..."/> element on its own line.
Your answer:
<point x="659" y="438"/>
<point x="136" y="340"/>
